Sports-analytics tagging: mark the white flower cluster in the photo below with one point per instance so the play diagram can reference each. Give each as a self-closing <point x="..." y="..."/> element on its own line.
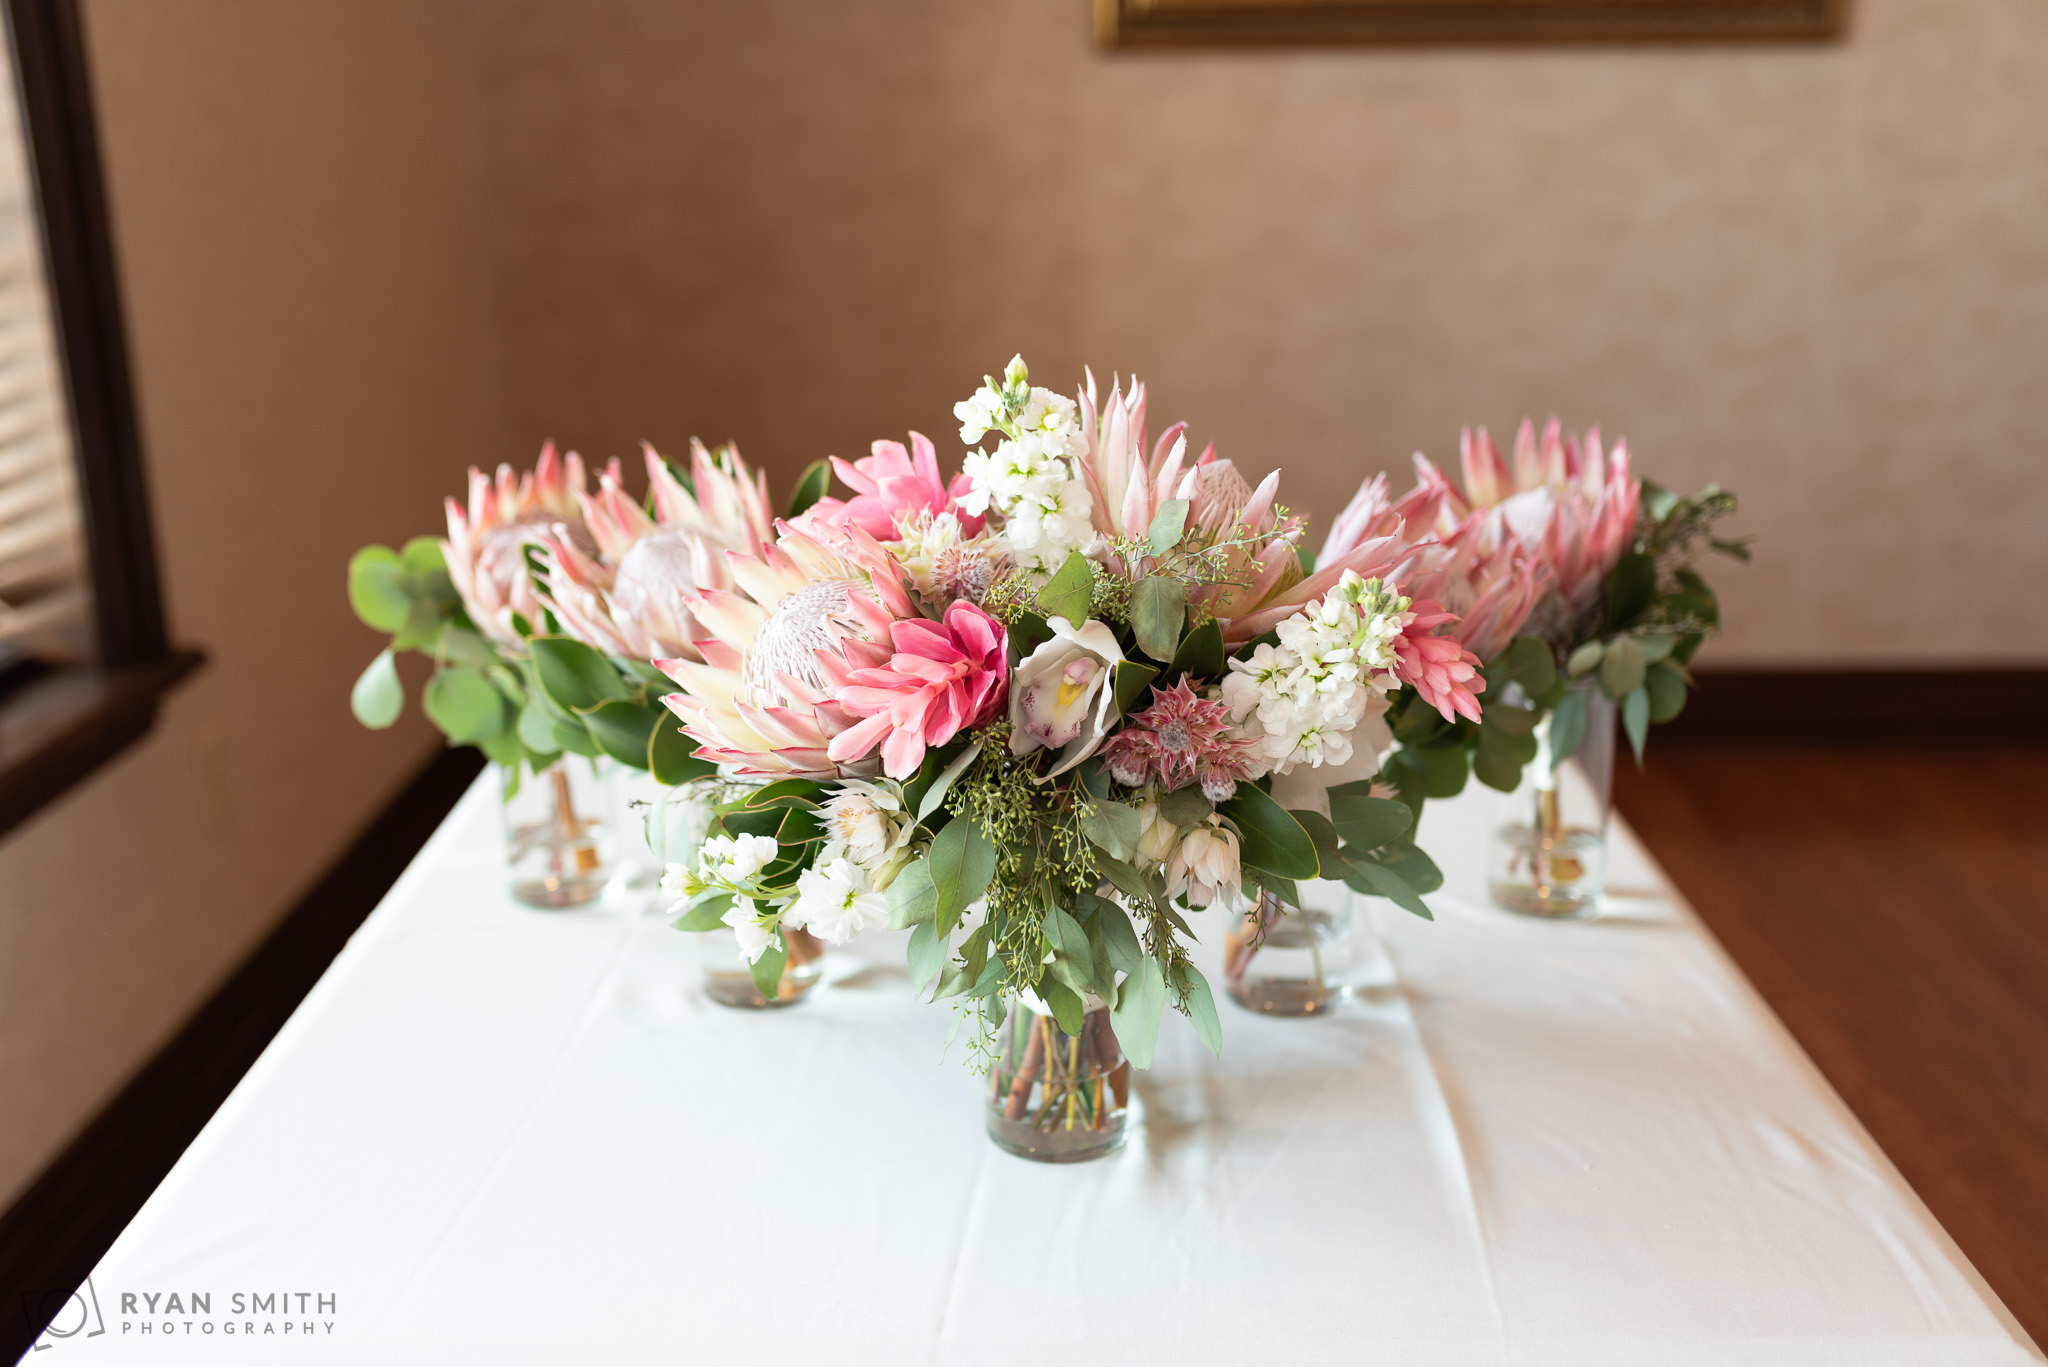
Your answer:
<point x="866" y="843"/>
<point x="1030" y="478"/>
<point x="1303" y="700"/>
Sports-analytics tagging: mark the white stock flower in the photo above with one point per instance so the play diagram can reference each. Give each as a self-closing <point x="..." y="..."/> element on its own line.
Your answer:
<point x="1062" y="695"/>
<point x="836" y="902"/>
<point x="735" y="860"/>
<point x="744" y="917"/>
<point x="1204" y="865"/>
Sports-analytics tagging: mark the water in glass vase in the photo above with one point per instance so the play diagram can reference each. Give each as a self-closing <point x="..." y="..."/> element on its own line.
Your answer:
<point x="559" y="834"/>
<point x="1056" y="1097"/>
<point x="1282" y="960"/>
<point x="1547" y="866"/>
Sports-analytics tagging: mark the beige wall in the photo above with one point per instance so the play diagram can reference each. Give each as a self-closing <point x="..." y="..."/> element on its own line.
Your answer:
<point x="1819" y="275"/>
<point x="293" y="189"/>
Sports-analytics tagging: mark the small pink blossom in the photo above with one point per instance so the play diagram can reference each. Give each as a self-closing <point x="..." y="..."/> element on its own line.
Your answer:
<point x="1442" y="670"/>
<point x="1180" y="739"/>
<point x="889" y="486"/>
<point x="944" y="677"/>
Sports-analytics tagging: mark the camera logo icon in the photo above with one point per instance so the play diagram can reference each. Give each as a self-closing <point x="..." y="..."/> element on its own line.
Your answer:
<point x="64" y="1314"/>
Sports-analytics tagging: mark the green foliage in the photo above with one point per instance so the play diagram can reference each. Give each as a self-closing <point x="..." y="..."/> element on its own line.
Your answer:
<point x="1069" y="592"/>
<point x="1135" y="1015"/>
<point x="378" y="696"/>
<point x="812" y="485"/>
<point x="962" y="863"/>
<point x="1167" y="525"/>
<point x="1158" y="607"/>
<point x="377" y="590"/>
<point x="1269" y="836"/>
<point x="465" y="705"/>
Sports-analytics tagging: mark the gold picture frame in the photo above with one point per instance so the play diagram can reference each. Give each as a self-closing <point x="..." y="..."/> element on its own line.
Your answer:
<point x="1246" y="23"/>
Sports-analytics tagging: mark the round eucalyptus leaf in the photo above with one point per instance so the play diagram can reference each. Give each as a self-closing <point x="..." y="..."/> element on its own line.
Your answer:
<point x="378" y="696"/>
<point x="465" y="705"/>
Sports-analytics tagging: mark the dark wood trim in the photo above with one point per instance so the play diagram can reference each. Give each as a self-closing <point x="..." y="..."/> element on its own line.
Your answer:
<point x="58" y="1230"/>
<point x="1271" y="23"/>
<point x="78" y="246"/>
<point x="60" y="726"/>
<point x="2001" y="706"/>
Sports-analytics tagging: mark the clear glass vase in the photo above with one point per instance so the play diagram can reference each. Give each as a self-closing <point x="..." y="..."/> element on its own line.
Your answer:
<point x="1548" y="853"/>
<point x="1284" y="960"/>
<point x="1055" y="1097"/>
<point x="729" y="978"/>
<point x="561" y="832"/>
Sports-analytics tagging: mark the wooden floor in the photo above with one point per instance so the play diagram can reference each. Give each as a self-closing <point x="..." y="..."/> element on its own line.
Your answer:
<point x="1892" y="906"/>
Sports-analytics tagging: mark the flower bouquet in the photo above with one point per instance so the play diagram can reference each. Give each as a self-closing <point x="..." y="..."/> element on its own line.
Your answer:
<point x="1039" y="713"/>
<point x="1575" y="584"/>
<point x="539" y="613"/>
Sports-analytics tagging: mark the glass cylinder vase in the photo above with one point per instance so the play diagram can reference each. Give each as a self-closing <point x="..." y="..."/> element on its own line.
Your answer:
<point x="729" y="978"/>
<point x="561" y="832"/>
<point x="1284" y="960"/>
<point x="1055" y="1097"/>
<point x="1548" y="853"/>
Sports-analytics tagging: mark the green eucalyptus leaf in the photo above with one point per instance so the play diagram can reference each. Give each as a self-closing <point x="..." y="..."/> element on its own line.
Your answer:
<point x="575" y="738"/>
<point x="1377" y="880"/>
<point x="378" y="696"/>
<point x="1112" y="825"/>
<point x="1128" y="880"/>
<point x="962" y="863"/>
<point x="1366" y="823"/>
<point x="1069" y="593"/>
<point x="423" y="556"/>
<point x="768" y="969"/>
<point x="672" y="756"/>
<point x="377" y="589"/>
<point x="935" y="794"/>
<point x="1585" y="659"/>
<point x="1186" y="806"/>
<point x="1167" y="525"/>
<point x="926" y="955"/>
<point x="1158" y="606"/>
<point x="1621" y="672"/>
<point x="912" y="898"/>
<point x="1135" y="1017"/>
<point x="502" y="748"/>
<point x="1567" y="727"/>
<point x="1511" y="721"/>
<point x="1065" y="1004"/>
<point x="420" y="629"/>
<point x="1120" y="941"/>
<point x="1414" y="867"/>
<point x="708" y="914"/>
<point x="1657" y="646"/>
<point x="1635" y="720"/>
<point x="1269" y="836"/>
<point x="1530" y="663"/>
<point x="465" y="705"/>
<point x="1071" y="941"/>
<point x="1201" y="1006"/>
<point x="1631" y="589"/>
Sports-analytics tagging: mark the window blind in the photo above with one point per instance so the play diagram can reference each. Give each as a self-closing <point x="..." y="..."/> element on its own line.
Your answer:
<point x="44" y="612"/>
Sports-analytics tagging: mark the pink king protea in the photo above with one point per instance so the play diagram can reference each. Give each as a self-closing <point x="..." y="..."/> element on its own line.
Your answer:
<point x="486" y="546"/>
<point x="890" y="487"/>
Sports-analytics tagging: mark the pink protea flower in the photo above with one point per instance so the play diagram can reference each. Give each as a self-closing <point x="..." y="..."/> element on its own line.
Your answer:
<point x="805" y="611"/>
<point x="1442" y="670"/>
<point x="1567" y="501"/>
<point x="890" y="486"/>
<point x="630" y="598"/>
<point x="487" y="541"/>
<point x="1468" y="561"/>
<point x="944" y="676"/>
<point x="1126" y="492"/>
<point x="1181" y="738"/>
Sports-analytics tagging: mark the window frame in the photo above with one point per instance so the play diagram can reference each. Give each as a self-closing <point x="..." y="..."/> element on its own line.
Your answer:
<point x="60" y="724"/>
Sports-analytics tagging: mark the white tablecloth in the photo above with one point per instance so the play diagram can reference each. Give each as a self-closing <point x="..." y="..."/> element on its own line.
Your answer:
<point x="497" y="1135"/>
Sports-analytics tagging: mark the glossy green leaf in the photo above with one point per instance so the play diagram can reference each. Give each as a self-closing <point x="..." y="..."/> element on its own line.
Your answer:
<point x="575" y="738"/>
<point x="962" y="863"/>
<point x="622" y="728"/>
<point x="1133" y="677"/>
<point x="1064" y="1003"/>
<point x="1631" y="588"/>
<point x="1366" y="823"/>
<point x="941" y="785"/>
<point x="1069" y="593"/>
<point x="708" y="914"/>
<point x="1666" y="687"/>
<point x="1567" y="727"/>
<point x="574" y="677"/>
<point x="1135" y="1017"/>
<point x="672" y="756"/>
<point x="1158" y="606"/>
<point x="812" y="485"/>
<point x="1201" y="652"/>
<point x="1585" y="659"/>
<point x="1126" y="879"/>
<point x="1167" y="525"/>
<point x="378" y="696"/>
<point x="376" y="588"/>
<point x="1379" y="881"/>
<point x="464" y="705"/>
<point x="1119" y="939"/>
<point x="768" y="968"/>
<point x="1269" y="836"/>
<point x="1071" y="941"/>
<point x="1412" y="865"/>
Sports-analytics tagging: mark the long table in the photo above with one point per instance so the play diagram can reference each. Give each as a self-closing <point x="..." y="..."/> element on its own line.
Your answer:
<point x="498" y="1135"/>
